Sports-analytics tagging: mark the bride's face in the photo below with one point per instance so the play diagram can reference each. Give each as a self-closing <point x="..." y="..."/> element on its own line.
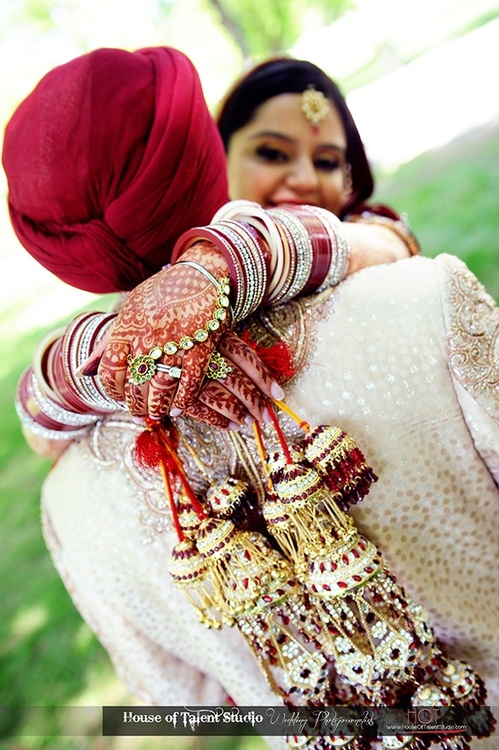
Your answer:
<point x="279" y="157"/>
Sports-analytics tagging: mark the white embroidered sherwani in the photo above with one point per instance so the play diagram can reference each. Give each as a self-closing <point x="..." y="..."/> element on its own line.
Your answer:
<point x="403" y="357"/>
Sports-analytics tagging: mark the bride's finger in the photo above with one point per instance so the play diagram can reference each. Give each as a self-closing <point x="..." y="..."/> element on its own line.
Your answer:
<point x="204" y="413"/>
<point x="136" y="398"/>
<point x="91" y="365"/>
<point x="113" y="369"/>
<point x="220" y="400"/>
<point x="248" y="361"/>
<point x="194" y="366"/>
<point x="162" y="388"/>
<point x="243" y="390"/>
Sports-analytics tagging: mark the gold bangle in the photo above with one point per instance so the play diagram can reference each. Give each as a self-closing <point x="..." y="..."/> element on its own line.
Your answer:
<point x="399" y="226"/>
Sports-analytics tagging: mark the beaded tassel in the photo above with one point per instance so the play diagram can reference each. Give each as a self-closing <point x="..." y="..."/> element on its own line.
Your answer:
<point x="336" y="456"/>
<point x="227" y="498"/>
<point x="300" y="513"/>
<point x="341" y="464"/>
<point x="238" y="579"/>
<point x="380" y="641"/>
<point x="325" y="619"/>
<point x="235" y="578"/>
<point x="189" y="572"/>
<point x="232" y="498"/>
<point x="156" y="448"/>
<point x="375" y="635"/>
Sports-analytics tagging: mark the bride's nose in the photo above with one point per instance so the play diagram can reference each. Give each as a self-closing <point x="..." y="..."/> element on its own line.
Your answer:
<point x="302" y="175"/>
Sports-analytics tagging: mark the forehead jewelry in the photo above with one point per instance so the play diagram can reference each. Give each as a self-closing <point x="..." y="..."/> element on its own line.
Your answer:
<point x="314" y="105"/>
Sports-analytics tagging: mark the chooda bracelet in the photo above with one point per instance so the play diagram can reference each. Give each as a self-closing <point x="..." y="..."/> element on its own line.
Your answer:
<point x="144" y="366"/>
<point x="53" y="400"/>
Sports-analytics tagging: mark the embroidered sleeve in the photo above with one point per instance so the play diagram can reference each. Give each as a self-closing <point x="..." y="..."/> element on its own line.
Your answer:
<point x="472" y="335"/>
<point x="472" y="330"/>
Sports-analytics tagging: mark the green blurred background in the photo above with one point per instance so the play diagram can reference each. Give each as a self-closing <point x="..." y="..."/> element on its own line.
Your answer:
<point x="448" y="185"/>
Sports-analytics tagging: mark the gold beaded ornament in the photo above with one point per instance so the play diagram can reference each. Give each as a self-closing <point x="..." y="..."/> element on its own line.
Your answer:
<point x="341" y="629"/>
<point x="321" y="612"/>
<point x="144" y="366"/>
<point x="235" y="578"/>
<point x="315" y="105"/>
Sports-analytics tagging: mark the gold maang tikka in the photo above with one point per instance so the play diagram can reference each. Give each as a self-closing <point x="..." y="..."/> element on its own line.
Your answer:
<point x="314" y="105"/>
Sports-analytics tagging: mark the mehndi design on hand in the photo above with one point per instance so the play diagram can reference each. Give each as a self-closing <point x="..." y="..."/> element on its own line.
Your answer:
<point x="144" y="366"/>
<point x="168" y="307"/>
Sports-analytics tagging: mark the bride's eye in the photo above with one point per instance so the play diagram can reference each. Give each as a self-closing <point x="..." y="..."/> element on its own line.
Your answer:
<point x="327" y="164"/>
<point x="271" y="154"/>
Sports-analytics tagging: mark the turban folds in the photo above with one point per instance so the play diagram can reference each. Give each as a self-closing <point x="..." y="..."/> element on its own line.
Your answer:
<point x="110" y="158"/>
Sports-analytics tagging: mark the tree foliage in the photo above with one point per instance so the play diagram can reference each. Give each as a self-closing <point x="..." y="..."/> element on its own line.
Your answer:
<point x="36" y="13"/>
<point x="262" y="28"/>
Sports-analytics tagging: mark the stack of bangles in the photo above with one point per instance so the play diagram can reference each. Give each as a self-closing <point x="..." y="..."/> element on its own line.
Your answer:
<point x="53" y="400"/>
<point x="278" y="254"/>
<point x="274" y="255"/>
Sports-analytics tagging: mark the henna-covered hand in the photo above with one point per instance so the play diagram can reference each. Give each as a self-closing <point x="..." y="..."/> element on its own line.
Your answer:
<point x="172" y="304"/>
<point x="241" y="396"/>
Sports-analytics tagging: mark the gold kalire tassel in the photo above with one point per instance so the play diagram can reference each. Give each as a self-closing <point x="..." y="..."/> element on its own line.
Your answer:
<point x="381" y="642"/>
<point x="237" y="579"/>
<point x="324" y="617"/>
<point x="341" y="464"/>
<point x="375" y="633"/>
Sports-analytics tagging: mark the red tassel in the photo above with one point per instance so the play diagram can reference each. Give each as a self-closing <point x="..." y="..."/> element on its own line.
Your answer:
<point x="150" y="449"/>
<point x="171" y="501"/>
<point x="277" y="357"/>
<point x="148" y="453"/>
<point x="155" y="449"/>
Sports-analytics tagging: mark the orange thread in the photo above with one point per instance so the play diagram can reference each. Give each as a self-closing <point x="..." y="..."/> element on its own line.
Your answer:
<point x="280" y="434"/>
<point x="287" y="410"/>
<point x="261" y="451"/>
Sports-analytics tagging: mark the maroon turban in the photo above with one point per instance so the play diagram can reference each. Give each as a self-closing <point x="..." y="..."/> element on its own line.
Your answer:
<point x="108" y="160"/>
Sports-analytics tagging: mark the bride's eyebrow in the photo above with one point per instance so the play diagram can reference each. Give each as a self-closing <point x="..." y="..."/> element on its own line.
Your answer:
<point x="272" y="134"/>
<point x="333" y="147"/>
<point x="287" y="139"/>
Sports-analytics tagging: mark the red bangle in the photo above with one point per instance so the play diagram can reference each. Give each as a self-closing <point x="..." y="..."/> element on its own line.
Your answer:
<point x="192" y="236"/>
<point x="322" y="252"/>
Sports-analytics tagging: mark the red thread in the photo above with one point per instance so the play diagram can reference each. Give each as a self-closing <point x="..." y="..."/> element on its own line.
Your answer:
<point x="280" y="434"/>
<point x="154" y="448"/>
<point x="277" y="357"/>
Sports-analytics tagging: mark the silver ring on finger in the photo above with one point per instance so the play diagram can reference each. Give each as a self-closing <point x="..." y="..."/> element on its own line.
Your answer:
<point x="172" y="371"/>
